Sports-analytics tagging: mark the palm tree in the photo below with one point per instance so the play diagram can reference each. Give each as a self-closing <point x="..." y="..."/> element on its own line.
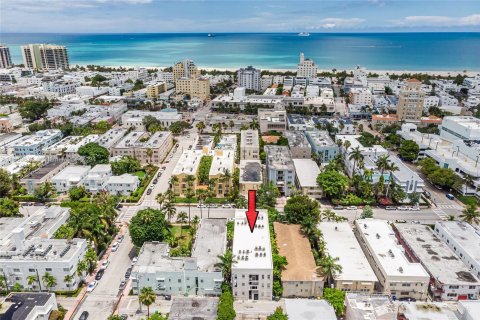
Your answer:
<point x="147" y="297"/>
<point x="231" y="124"/>
<point x="173" y="181"/>
<point x="210" y="193"/>
<point x="329" y="267"/>
<point x="201" y="197"/>
<point x="189" y="192"/>
<point x="182" y="218"/>
<point x="225" y="264"/>
<point x="468" y="181"/>
<point x="31" y="280"/>
<point x="383" y="163"/>
<point x="226" y="180"/>
<point x="90" y="259"/>
<point x="470" y="214"/>
<point x="161" y="197"/>
<point x="68" y="278"/>
<point x="149" y="154"/>
<point x="200" y="126"/>
<point x="391" y="168"/>
<point x="254" y="124"/>
<point x="81" y="268"/>
<point x="49" y="280"/>
<point x="355" y="155"/>
<point x="170" y="209"/>
<point x="195" y="222"/>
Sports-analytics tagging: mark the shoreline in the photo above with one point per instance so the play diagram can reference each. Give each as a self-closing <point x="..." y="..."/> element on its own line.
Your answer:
<point x="444" y="73"/>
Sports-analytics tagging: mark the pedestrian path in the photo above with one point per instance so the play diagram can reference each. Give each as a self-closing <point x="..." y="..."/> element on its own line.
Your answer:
<point x="440" y="213"/>
<point x="449" y="206"/>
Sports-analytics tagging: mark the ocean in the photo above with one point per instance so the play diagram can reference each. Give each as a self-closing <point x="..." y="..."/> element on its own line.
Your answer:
<point x="375" y="51"/>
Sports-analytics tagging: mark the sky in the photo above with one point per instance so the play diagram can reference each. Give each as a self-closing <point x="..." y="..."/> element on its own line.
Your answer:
<point x="158" y="16"/>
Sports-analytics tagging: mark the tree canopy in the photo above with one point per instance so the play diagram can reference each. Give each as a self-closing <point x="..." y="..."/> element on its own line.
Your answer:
<point x="126" y="164"/>
<point x="278" y="315"/>
<point x="409" y="150"/>
<point x="267" y="195"/>
<point x="148" y="225"/>
<point x="333" y="183"/>
<point x="94" y="154"/>
<point x="34" y="109"/>
<point x="300" y="208"/>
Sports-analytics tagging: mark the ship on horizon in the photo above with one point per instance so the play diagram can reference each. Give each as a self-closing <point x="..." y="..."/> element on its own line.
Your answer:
<point x="304" y="34"/>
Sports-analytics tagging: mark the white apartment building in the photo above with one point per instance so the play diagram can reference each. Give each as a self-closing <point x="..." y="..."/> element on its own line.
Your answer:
<point x="60" y="88"/>
<point x="357" y="274"/>
<point x="222" y="164"/>
<point x="252" y="273"/>
<point x="322" y="145"/>
<point x="69" y="177"/>
<point x="249" y="145"/>
<point x="5" y="58"/>
<point x="134" y="118"/>
<point x="272" y="119"/>
<point x="450" y="278"/>
<point x="397" y="276"/>
<point x="280" y="168"/>
<point x="28" y="249"/>
<point x="122" y="185"/>
<point x="67" y="148"/>
<point x="361" y="96"/>
<point x="165" y="76"/>
<point x="306" y="68"/>
<point x="460" y="127"/>
<point x="468" y="310"/>
<point x="186" y="166"/>
<point x="28" y="305"/>
<point x="148" y="148"/>
<point x="306" y="173"/>
<point x="89" y="91"/>
<point x="110" y="138"/>
<point x="249" y="78"/>
<point x="463" y="239"/>
<point x="189" y="276"/>
<point x="430" y="102"/>
<point x="14" y="165"/>
<point x="34" y="144"/>
<point x="96" y="178"/>
<point x="45" y="56"/>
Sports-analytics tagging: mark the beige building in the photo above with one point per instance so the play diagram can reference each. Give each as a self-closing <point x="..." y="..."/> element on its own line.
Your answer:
<point x="154" y="90"/>
<point x="300" y="277"/>
<point x="251" y="177"/>
<point x="148" y="148"/>
<point x="45" y="56"/>
<point x="221" y="171"/>
<point x="10" y="122"/>
<point x="249" y="145"/>
<point x="306" y="175"/>
<point x="357" y="274"/>
<point x="273" y="119"/>
<point x="397" y="275"/>
<point x="195" y="87"/>
<point x="410" y="102"/>
<point x="185" y="169"/>
<point x="185" y="69"/>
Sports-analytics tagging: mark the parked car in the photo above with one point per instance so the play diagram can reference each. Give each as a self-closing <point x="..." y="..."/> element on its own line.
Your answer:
<point x="149" y="191"/>
<point x="416" y="222"/>
<point x="123" y="283"/>
<point x="115" y="246"/>
<point x="84" y="315"/>
<point x="155" y="181"/>
<point x="414" y="209"/>
<point x="438" y="187"/>
<point x="99" y="274"/>
<point x="450" y="196"/>
<point x="168" y="297"/>
<point x="352" y="208"/>
<point x="105" y="264"/>
<point x="189" y="147"/>
<point x="128" y="273"/>
<point x="124" y="317"/>
<point x="339" y="207"/>
<point x="226" y="205"/>
<point x="390" y="208"/>
<point x="120" y="239"/>
<point x="427" y="194"/>
<point x="400" y="221"/>
<point x="201" y="205"/>
<point x="92" y="285"/>
<point x="213" y="205"/>
<point x="403" y="208"/>
<point x="134" y="260"/>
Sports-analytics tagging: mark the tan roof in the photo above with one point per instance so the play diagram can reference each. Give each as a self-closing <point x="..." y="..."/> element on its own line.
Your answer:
<point x="270" y="139"/>
<point x="385" y="117"/>
<point x="414" y="80"/>
<point x="431" y="119"/>
<point x="296" y="248"/>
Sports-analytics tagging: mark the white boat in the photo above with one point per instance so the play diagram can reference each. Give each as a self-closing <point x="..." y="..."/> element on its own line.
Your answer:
<point x="304" y="34"/>
<point x="211" y="35"/>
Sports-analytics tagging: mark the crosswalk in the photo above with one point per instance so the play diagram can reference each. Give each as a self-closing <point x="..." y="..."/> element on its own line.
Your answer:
<point x="449" y="206"/>
<point x="150" y="203"/>
<point x="440" y="213"/>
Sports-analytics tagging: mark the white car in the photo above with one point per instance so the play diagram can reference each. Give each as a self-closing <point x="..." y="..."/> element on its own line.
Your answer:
<point x="105" y="264"/>
<point x="134" y="260"/>
<point x="226" y="205"/>
<point x="213" y="206"/>
<point x="92" y="285"/>
<point x="414" y="209"/>
<point x="403" y="208"/>
<point x="352" y="208"/>
<point x="115" y="246"/>
<point x="201" y="205"/>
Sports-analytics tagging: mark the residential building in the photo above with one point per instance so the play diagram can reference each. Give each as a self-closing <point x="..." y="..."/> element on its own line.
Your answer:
<point x="10" y="122"/>
<point x="67" y="148"/>
<point x="357" y="274"/>
<point x="272" y="119"/>
<point x="306" y="68"/>
<point x="27" y="248"/>
<point x="134" y="118"/>
<point x="165" y="76"/>
<point x="69" y="177"/>
<point x="468" y="310"/>
<point x="186" y="171"/>
<point x="460" y="127"/>
<point x="110" y="138"/>
<point x="95" y="179"/>
<point x="154" y="90"/>
<point x="28" y="306"/>
<point x="299" y="278"/>
<point x="361" y="306"/>
<point x="397" y="275"/>
<point x="298" y="144"/>
<point x="43" y="174"/>
<point x="251" y="176"/>
<point x="195" y="275"/>
<point x="195" y="87"/>
<point x="430" y="102"/>
<point x="304" y="309"/>
<point x="249" y="145"/>
<point x="463" y="239"/>
<point x="306" y="173"/>
<point x="6" y="142"/>
<point x="249" y="78"/>
<point x="323" y="147"/>
<point x="5" y="58"/>
<point x="185" y="69"/>
<point x="361" y="96"/>
<point x="221" y="171"/>
<point x="45" y="56"/>
<point x="410" y="103"/>
<point x="425" y="310"/>
<point x="60" y="88"/>
<point x="123" y="185"/>
<point x="280" y="168"/>
<point x="382" y="120"/>
<point x="190" y="308"/>
<point x="148" y="148"/>
<point x="252" y="272"/>
<point x="35" y="144"/>
<point x="450" y="279"/>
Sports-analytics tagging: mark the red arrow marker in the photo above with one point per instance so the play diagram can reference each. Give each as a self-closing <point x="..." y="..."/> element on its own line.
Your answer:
<point x="252" y="213"/>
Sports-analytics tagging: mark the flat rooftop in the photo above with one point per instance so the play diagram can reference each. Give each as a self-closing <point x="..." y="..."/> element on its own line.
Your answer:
<point x="111" y="137"/>
<point x="72" y="173"/>
<point x="355" y="265"/>
<point x="279" y="157"/>
<point x="188" y="162"/>
<point x="252" y="250"/>
<point x="249" y="138"/>
<point x="223" y="160"/>
<point x="250" y="171"/>
<point x="308" y="309"/>
<point x="194" y="308"/>
<point x="20" y="305"/>
<point x="466" y="236"/>
<point x="296" y="248"/>
<point x="320" y="139"/>
<point x="307" y="172"/>
<point x="381" y="241"/>
<point x="297" y="139"/>
<point x="370" y="307"/>
<point x="210" y="242"/>
<point x="43" y="170"/>
<point x="439" y="260"/>
<point x="71" y="143"/>
<point x="426" y="311"/>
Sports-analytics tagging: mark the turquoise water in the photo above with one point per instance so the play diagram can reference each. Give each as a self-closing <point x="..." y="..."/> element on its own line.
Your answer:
<point x="376" y="51"/>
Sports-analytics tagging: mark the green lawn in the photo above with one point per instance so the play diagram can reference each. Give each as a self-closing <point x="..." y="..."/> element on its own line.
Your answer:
<point x="139" y="174"/>
<point x="467" y="199"/>
<point x="184" y="240"/>
<point x="194" y="200"/>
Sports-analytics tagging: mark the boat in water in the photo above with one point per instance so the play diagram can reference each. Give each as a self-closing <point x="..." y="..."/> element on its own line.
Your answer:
<point x="211" y="35"/>
<point x="304" y="34"/>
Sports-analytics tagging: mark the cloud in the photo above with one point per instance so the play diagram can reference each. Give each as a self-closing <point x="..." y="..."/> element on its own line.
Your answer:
<point x="438" y="21"/>
<point x="331" y="23"/>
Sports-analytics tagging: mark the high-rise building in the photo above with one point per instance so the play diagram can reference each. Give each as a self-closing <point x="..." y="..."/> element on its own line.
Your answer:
<point x="5" y="59"/>
<point x="185" y="69"/>
<point x="249" y="78"/>
<point x="410" y="102"/>
<point x="306" y="68"/>
<point x="45" y="56"/>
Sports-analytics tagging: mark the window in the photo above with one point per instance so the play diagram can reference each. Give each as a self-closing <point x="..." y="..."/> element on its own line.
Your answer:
<point x="16" y="270"/>
<point x="48" y="269"/>
<point x="31" y="270"/>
